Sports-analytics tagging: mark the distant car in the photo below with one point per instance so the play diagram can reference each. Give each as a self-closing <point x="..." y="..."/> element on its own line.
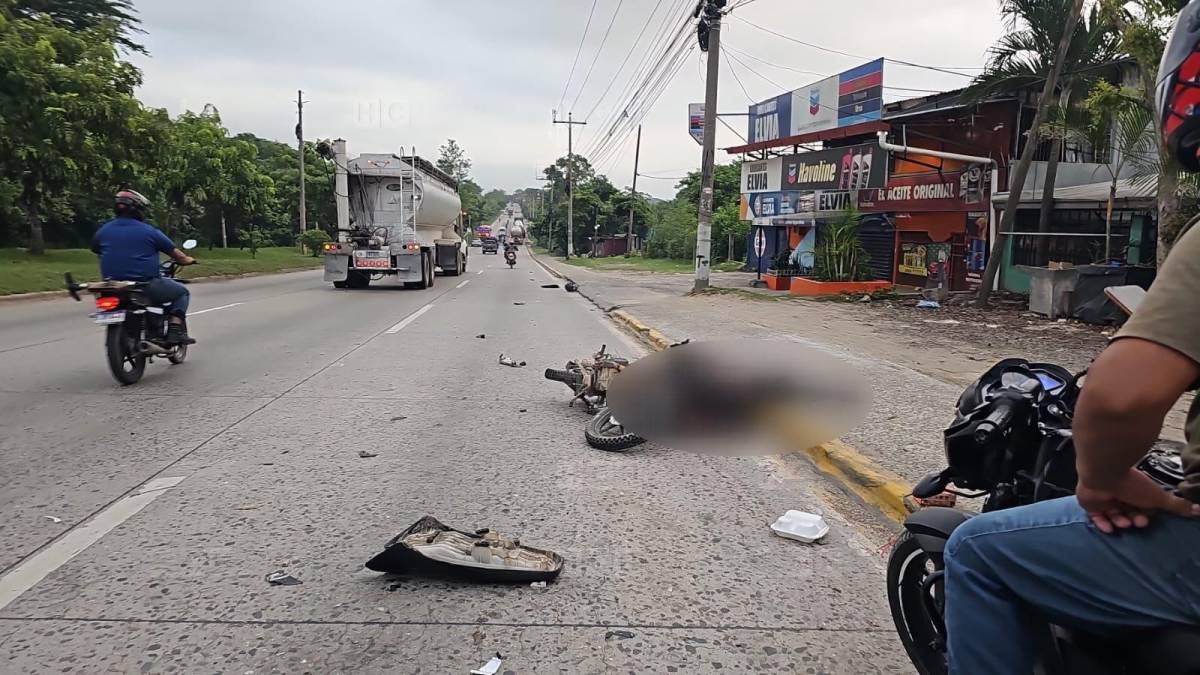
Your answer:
<point x="476" y="242"/>
<point x="490" y="246"/>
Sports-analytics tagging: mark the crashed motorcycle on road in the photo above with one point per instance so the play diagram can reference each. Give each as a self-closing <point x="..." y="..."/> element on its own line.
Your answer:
<point x="589" y="379"/>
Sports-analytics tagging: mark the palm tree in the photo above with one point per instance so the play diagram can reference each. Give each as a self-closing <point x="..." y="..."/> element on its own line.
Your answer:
<point x="1017" y="179"/>
<point x="1022" y="59"/>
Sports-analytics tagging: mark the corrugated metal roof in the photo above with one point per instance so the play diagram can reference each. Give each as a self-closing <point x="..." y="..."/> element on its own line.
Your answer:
<point x="1127" y="190"/>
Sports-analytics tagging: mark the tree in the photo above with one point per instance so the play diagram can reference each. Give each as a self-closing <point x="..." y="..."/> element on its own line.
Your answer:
<point x="1144" y="26"/>
<point x="81" y="16"/>
<point x="313" y="239"/>
<point x="1024" y="56"/>
<point x="1017" y="180"/>
<point x="454" y="161"/>
<point x="62" y="110"/>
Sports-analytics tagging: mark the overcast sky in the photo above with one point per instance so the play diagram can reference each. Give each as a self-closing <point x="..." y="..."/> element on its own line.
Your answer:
<point x="390" y="73"/>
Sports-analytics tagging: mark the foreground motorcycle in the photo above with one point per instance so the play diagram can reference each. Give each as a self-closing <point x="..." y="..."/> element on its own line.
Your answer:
<point x="510" y="257"/>
<point x="135" y="327"/>
<point x="589" y="379"/>
<point x="1011" y="444"/>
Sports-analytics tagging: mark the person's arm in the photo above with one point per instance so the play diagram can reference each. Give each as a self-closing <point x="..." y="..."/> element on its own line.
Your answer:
<point x="165" y="245"/>
<point x="1128" y="392"/>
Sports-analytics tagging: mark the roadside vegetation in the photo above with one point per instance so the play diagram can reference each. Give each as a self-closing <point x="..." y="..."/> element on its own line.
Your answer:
<point x="641" y="264"/>
<point x="23" y="273"/>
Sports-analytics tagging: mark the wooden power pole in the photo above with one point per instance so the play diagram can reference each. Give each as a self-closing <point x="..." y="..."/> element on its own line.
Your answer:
<point x="637" y="151"/>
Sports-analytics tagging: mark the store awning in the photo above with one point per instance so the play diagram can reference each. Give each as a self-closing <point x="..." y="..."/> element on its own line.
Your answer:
<point x="1130" y="194"/>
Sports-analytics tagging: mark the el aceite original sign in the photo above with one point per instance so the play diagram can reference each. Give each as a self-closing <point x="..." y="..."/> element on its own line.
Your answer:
<point x="948" y="191"/>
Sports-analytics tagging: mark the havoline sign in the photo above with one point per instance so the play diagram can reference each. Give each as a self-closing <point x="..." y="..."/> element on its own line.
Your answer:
<point x="856" y="167"/>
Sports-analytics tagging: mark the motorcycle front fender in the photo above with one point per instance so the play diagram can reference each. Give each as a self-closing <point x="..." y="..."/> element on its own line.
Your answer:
<point x="932" y="527"/>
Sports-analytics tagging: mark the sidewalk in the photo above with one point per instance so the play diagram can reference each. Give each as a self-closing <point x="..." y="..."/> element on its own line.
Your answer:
<point x="918" y="361"/>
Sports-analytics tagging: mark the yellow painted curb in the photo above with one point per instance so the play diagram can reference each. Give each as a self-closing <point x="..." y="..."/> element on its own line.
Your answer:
<point x="876" y="486"/>
<point x="647" y="334"/>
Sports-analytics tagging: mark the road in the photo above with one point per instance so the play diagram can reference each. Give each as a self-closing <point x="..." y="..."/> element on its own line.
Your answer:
<point x="139" y="522"/>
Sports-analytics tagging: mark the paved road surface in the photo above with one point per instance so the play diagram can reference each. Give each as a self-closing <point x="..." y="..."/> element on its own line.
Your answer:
<point x="180" y="493"/>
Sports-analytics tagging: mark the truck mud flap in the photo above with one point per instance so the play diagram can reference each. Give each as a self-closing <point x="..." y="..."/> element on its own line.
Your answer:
<point x="429" y="548"/>
<point x="337" y="267"/>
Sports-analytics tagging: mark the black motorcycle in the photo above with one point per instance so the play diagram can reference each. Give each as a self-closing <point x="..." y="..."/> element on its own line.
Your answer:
<point x="135" y="327"/>
<point x="1011" y="444"/>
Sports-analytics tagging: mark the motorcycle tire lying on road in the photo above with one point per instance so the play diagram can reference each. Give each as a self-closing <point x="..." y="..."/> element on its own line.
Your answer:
<point x="603" y="434"/>
<point x="571" y="378"/>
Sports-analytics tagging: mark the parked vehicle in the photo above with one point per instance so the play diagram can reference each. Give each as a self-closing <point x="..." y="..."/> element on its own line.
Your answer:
<point x="1011" y="444"/>
<point x="135" y="328"/>
<point x="398" y="215"/>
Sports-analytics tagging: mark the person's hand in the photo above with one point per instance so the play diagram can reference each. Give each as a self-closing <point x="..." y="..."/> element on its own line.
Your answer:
<point x="187" y="260"/>
<point x="1130" y="502"/>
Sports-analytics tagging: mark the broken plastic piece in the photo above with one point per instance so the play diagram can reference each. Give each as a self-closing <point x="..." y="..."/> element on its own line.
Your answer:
<point x="518" y="303"/>
<point x="428" y="547"/>
<point x="491" y="667"/>
<point x="619" y="634"/>
<point x="505" y="361"/>
<point x="482" y="336"/>
<point x="928" y="304"/>
<point x="282" y="578"/>
<point x="54" y="519"/>
<point x="549" y="285"/>
<point x="538" y="584"/>
<point x="801" y="526"/>
<point x="366" y="454"/>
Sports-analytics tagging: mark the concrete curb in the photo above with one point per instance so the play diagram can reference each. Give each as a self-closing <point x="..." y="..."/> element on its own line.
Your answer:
<point x="46" y="295"/>
<point x="646" y="334"/>
<point x="878" y="487"/>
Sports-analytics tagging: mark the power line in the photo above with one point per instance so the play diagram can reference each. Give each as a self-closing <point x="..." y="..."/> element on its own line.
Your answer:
<point x="853" y="56"/>
<point x="582" y="39"/>
<point x="600" y="50"/>
<point x="760" y="75"/>
<point x="737" y="79"/>
<point x="822" y="75"/>
<point x="628" y="55"/>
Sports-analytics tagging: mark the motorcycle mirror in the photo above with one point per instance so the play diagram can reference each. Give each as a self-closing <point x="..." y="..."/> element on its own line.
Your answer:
<point x="930" y="486"/>
<point x="744" y="397"/>
<point x="189" y="244"/>
<point x="72" y="288"/>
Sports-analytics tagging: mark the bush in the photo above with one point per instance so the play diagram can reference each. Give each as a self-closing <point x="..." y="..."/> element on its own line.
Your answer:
<point x="313" y="240"/>
<point x="839" y="255"/>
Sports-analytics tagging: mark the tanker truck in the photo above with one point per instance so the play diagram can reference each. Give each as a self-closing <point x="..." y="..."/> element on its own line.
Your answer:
<point x="517" y="231"/>
<point x="398" y="215"/>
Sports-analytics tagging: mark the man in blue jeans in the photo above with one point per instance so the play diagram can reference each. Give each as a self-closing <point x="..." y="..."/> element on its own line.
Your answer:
<point x="129" y="247"/>
<point x="1121" y="554"/>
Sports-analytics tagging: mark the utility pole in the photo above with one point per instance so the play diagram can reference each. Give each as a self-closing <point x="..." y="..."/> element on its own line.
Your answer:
<point x="570" y="185"/>
<point x="300" y="146"/>
<point x="709" y="32"/>
<point x="637" y="151"/>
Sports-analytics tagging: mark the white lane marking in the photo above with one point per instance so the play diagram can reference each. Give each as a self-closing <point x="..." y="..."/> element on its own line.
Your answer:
<point x="479" y="272"/>
<point x="213" y="309"/>
<point x="30" y="572"/>
<point x="463" y="283"/>
<point x="409" y="319"/>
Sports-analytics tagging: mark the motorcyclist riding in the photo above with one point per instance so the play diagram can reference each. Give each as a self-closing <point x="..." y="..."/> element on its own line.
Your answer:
<point x="128" y="247"/>
<point x="1121" y="554"/>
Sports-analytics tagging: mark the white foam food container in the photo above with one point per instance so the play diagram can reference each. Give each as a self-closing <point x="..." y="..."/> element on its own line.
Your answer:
<point x="801" y="526"/>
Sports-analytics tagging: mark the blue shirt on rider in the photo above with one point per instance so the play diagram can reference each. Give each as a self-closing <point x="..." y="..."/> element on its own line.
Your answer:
<point x="129" y="249"/>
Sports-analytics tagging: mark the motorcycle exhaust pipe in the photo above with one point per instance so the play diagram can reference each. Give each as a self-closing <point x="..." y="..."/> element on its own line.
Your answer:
<point x="151" y="349"/>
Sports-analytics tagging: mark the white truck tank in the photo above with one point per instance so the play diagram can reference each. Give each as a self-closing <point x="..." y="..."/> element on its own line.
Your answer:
<point x="406" y="197"/>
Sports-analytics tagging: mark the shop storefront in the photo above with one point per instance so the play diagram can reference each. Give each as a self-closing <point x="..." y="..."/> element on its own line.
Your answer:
<point x="940" y="222"/>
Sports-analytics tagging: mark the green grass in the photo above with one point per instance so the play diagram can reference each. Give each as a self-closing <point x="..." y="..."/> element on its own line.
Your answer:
<point x="24" y="273"/>
<point x="636" y="263"/>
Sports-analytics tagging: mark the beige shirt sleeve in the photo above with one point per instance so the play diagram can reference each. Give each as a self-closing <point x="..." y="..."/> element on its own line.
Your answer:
<point x="1170" y="313"/>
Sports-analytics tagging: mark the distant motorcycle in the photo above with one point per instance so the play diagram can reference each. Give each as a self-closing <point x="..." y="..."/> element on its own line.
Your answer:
<point x="135" y="327"/>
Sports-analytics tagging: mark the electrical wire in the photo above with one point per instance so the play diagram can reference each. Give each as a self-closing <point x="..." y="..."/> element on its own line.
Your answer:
<point x="628" y="55"/>
<point x="582" y="39"/>
<point x="599" y="50"/>
<point x="738" y="79"/>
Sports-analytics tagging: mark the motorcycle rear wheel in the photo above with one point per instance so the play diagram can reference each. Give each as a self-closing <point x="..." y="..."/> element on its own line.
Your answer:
<point x="124" y="358"/>
<point x="180" y="352"/>
<point x="908" y="566"/>
<point x="603" y="434"/>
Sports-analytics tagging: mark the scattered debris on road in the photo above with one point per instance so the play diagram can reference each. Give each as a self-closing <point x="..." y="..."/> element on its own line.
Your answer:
<point x="282" y="578"/>
<point x="505" y="361"/>
<point x="429" y="548"/>
<point x="491" y="667"/>
<point x="54" y="519"/>
<point x="399" y="418"/>
<point x="619" y="634"/>
<point x="482" y="336"/>
<point x="929" y="304"/>
<point x="366" y="454"/>
<point x="538" y="584"/>
<point x="865" y="298"/>
<point x="944" y="322"/>
<point x="572" y="287"/>
<point x="518" y="303"/>
<point x="549" y="285"/>
<point x="801" y="526"/>
<point x="523" y="410"/>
